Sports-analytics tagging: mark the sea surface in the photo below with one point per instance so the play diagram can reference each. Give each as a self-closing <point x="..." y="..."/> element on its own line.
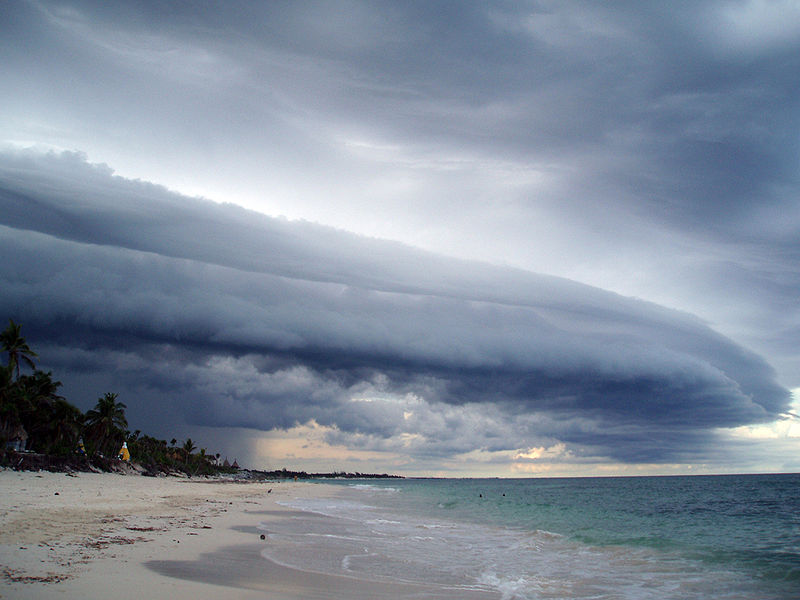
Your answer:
<point x="710" y="537"/>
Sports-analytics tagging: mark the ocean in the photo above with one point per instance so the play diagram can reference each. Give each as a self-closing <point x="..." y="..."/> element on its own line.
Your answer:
<point x="638" y="538"/>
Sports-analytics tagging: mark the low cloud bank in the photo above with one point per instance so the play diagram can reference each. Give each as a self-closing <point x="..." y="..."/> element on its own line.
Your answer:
<point x="240" y="320"/>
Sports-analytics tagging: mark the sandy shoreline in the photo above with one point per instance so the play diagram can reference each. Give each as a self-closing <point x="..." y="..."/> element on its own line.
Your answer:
<point x="100" y="536"/>
<point x="79" y="536"/>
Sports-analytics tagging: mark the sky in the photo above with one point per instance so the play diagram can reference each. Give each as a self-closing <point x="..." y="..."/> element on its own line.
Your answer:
<point x="427" y="238"/>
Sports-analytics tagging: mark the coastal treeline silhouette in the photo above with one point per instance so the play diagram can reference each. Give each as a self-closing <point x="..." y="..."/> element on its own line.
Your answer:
<point x="41" y="429"/>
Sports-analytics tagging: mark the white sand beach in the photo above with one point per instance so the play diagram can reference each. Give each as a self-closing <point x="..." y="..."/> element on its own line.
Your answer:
<point x="90" y="535"/>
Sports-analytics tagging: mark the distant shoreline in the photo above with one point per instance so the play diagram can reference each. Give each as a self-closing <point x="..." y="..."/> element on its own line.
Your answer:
<point x="31" y="461"/>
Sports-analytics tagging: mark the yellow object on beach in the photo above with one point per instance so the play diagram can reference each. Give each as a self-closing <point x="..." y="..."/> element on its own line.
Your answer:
<point x="123" y="452"/>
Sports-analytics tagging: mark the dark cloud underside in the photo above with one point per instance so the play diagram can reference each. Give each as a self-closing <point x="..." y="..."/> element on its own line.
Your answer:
<point x="244" y="320"/>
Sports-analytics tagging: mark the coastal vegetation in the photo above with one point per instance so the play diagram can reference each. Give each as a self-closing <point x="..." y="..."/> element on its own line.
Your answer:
<point x="39" y="428"/>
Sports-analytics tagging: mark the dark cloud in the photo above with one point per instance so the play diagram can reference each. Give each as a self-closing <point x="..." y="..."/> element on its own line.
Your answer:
<point x="644" y="148"/>
<point x="239" y="320"/>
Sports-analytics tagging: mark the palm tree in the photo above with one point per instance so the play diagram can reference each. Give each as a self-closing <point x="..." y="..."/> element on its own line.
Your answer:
<point x="17" y="348"/>
<point x="106" y="422"/>
<point x="188" y="448"/>
<point x="36" y="397"/>
<point x="9" y="405"/>
<point x="40" y="388"/>
<point x="6" y="381"/>
<point x="67" y="421"/>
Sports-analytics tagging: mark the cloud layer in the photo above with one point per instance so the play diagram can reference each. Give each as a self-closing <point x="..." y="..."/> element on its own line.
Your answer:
<point x="643" y="148"/>
<point x="648" y="150"/>
<point x="236" y="319"/>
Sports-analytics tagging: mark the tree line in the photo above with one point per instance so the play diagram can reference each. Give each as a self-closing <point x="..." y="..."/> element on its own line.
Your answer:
<point x="34" y="417"/>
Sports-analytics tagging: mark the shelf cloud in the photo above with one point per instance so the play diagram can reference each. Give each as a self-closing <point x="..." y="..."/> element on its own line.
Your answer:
<point x="241" y="320"/>
<point x="509" y="233"/>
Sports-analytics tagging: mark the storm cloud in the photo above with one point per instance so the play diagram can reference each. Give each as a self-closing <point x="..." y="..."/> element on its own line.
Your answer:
<point x="507" y="232"/>
<point x="243" y="320"/>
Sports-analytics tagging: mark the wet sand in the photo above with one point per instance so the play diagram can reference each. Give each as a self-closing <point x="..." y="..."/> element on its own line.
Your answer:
<point x="243" y="568"/>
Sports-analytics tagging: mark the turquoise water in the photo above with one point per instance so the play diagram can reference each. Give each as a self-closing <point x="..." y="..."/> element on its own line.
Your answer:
<point x="741" y="519"/>
<point x="733" y="537"/>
